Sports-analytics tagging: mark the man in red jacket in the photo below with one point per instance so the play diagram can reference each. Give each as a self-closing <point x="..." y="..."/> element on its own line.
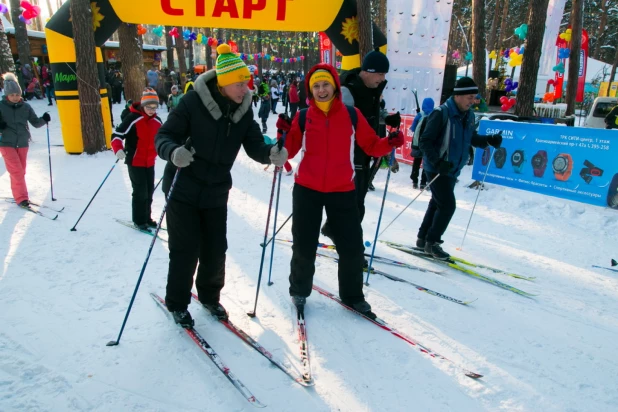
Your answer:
<point x="138" y="131"/>
<point x="325" y="180"/>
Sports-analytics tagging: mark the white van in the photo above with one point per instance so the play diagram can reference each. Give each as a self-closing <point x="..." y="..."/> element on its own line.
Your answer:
<point x="600" y="108"/>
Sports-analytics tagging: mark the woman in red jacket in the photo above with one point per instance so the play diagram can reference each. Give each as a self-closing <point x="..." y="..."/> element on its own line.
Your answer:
<point x="293" y="98"/>
<point x="324" y="179"/>
<point x="138" y="131"/>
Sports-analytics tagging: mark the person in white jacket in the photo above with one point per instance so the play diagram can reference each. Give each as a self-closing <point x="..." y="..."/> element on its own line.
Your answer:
<point x="275" y="93"/>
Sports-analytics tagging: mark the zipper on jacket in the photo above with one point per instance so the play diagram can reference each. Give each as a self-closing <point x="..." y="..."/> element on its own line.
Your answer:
<point x="327" y="144"/>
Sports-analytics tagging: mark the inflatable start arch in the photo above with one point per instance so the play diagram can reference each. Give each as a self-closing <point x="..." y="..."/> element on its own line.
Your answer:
<point x="337" y="18"/>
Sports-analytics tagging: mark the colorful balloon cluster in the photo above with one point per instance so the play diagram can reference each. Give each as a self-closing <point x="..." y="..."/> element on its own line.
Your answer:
<point x="522" y="31"/>
<point x="549" y="97"/>
<point x="141" y="30"/>
<point x="469" y="56"/>
<point x="507" y="103"/>
<point x="174" y="32"/>
<point x="493" y="55"/>
<point x="564" y="53"/>
<point x="3" y="8"/>
<point x="187" y="35"/>
<point x="559" y="68"/>
<point x="456" y="55"/>
<point x="30" y="11"/>
<point x="566" y="36"/>
<point x="274" y="59"/>
<point x="510" y="85"/>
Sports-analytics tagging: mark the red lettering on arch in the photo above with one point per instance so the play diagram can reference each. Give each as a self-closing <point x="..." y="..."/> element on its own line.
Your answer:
<point x="200" y="8"/>
<point x="249" y="7"/>
<point x="166" y="5"/>
<point x="281" y="9"/>
<point x="221" y="7"/>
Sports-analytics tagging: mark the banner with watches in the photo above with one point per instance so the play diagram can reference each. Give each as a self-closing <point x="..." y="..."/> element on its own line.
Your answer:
<point x="574" y="163"/>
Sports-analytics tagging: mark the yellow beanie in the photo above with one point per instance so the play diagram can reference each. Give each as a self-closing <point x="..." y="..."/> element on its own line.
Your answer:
<point x="321" y="75"/>
<point x="230" y="68"/>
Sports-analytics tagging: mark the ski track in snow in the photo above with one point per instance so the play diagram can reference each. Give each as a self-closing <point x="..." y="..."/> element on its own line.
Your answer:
<point x="63" y="296"/>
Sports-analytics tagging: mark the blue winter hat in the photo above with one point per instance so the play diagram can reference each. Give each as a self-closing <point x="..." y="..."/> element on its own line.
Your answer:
<point x="375" y="62"/>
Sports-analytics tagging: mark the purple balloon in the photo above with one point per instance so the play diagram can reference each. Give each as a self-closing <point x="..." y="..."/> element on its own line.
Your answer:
<point x="508" y="88"/>
<point x="3" y="8"/>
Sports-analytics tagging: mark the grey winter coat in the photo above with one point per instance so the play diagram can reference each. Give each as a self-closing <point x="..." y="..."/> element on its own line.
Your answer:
<point x="17" y="115"/>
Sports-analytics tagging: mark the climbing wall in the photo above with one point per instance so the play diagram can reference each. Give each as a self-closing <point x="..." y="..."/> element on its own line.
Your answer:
<point x="417" y="37"/>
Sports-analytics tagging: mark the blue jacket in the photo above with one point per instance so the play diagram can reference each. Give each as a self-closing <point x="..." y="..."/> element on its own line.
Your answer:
<point x="426" y="109"/>
<point x="461" y="134"/>
<point x="153" y="78"/>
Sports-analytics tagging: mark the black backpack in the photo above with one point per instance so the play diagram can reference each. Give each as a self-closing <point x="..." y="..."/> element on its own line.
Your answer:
<point x="302" y="117"/>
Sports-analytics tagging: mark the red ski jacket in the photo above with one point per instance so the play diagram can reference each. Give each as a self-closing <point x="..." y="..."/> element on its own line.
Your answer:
<point x="327" y="145"/>
<point x="138" y="130"/>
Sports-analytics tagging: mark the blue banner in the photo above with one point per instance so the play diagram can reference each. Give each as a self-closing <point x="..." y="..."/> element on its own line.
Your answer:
<point x="574" y="163"/>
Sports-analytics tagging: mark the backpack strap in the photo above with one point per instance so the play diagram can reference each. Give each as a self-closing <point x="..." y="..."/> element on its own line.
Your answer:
<point x="302" y="117"/>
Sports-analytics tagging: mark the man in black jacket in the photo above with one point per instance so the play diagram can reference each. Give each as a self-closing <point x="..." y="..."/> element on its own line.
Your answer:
<point x="217" y="115"/>
<point x="362" y="88"/>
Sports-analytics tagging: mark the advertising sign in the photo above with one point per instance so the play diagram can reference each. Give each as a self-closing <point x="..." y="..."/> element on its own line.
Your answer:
<point x="574" y="163"/>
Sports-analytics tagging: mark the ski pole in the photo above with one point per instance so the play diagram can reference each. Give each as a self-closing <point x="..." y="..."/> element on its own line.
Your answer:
<point x="409" y="204"/>
<point x="51" y="180"/>
<point x="477" y="198"/>
<point x="95" y="194"/>
<point x="158" y="183"/>
<point x="154" y="239"/>
<point x="375" y="240"/>
<point x="272" y="248"/>
<point x="270" y="206"/>
<point x="277" y="232"/>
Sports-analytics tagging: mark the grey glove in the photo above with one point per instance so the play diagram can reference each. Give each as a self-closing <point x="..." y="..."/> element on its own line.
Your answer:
<point x="182" y="157"/>
<point x="395" y="166"/>
<point x="120" y="154"/>
<point x="278" y="157"/>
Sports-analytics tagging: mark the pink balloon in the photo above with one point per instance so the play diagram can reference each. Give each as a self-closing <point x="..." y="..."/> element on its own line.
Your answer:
<point x="3" y="8"/>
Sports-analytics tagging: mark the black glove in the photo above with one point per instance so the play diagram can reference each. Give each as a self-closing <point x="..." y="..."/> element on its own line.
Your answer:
<point x="444" y="167"/>
<point x="46" y="117"/>
<point x="2" y="125"/>
<point x="495" y="140"/>
<point x="393" y="120"/>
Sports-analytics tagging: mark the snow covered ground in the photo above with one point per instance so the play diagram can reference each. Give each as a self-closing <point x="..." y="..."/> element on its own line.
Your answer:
<point x="63" y="296"/>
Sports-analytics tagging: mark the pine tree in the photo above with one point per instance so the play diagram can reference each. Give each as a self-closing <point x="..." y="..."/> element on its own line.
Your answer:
<point x="7" y="64"/>
<point x="88" y="86"/>
<point x="21" y="34"/>
<point x="132" y="62"/>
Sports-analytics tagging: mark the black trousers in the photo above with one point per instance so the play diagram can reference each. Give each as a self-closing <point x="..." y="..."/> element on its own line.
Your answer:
<point x="441" y="208"/>
<point x="361" y="182"/>
<point x="142" y="180"/>
<point x="195" y="235"/>
<point x="117" y="94"/>
<point x="293" y="110"/>
<point x="416" y="167"/>
<point x="342" y="214"/>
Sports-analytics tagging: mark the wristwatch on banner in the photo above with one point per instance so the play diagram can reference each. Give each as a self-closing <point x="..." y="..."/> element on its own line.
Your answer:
<point x="590" y="171"/>
<point x="500" y="157"/>
<point x="612" y="193"/>
<point x="486" y="156"/>
<point x="539" y="163"/>
<point x="517" y="160"/>
<point x="563" y="166"/>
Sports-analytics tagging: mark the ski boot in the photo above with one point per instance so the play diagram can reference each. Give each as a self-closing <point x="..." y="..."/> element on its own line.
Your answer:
<point x="363" y="308"/>
<point x="183" y="318"/>
<point x="299" y="302"/>
<point x="420" y="243"/>
<point x="435" y="250"/>
<point x="217" y="310"/>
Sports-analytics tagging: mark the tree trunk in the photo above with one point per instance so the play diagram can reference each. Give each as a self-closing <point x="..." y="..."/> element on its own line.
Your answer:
<point x="491" y="41"/>
<point x="209" y="64"/>
<point x="7" y="64"/>
<point x="38" y="22"/>
<point x="260" y="65"/>
<point x="132" y="62"/>
<point x="530" y="66"/>
<point x="182" y="62"/>
<point x="88" y="85"/>
<point x="479" y="62"/>
<point x="505" y="12"/>
<point x="169" y="43"/>
<point x="50" y="8"/>
<point x="365" y="32"/>
<point x="21" y="34"/>
<point x="576" y="45"/>
<point x="613" y="72"/>
<point x="190" y="50"/>
<point x="305" y="53"/>
<point x="601" y="31"/>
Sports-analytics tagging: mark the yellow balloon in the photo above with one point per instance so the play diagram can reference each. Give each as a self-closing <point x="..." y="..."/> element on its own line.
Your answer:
<point x="493" y="54"/>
